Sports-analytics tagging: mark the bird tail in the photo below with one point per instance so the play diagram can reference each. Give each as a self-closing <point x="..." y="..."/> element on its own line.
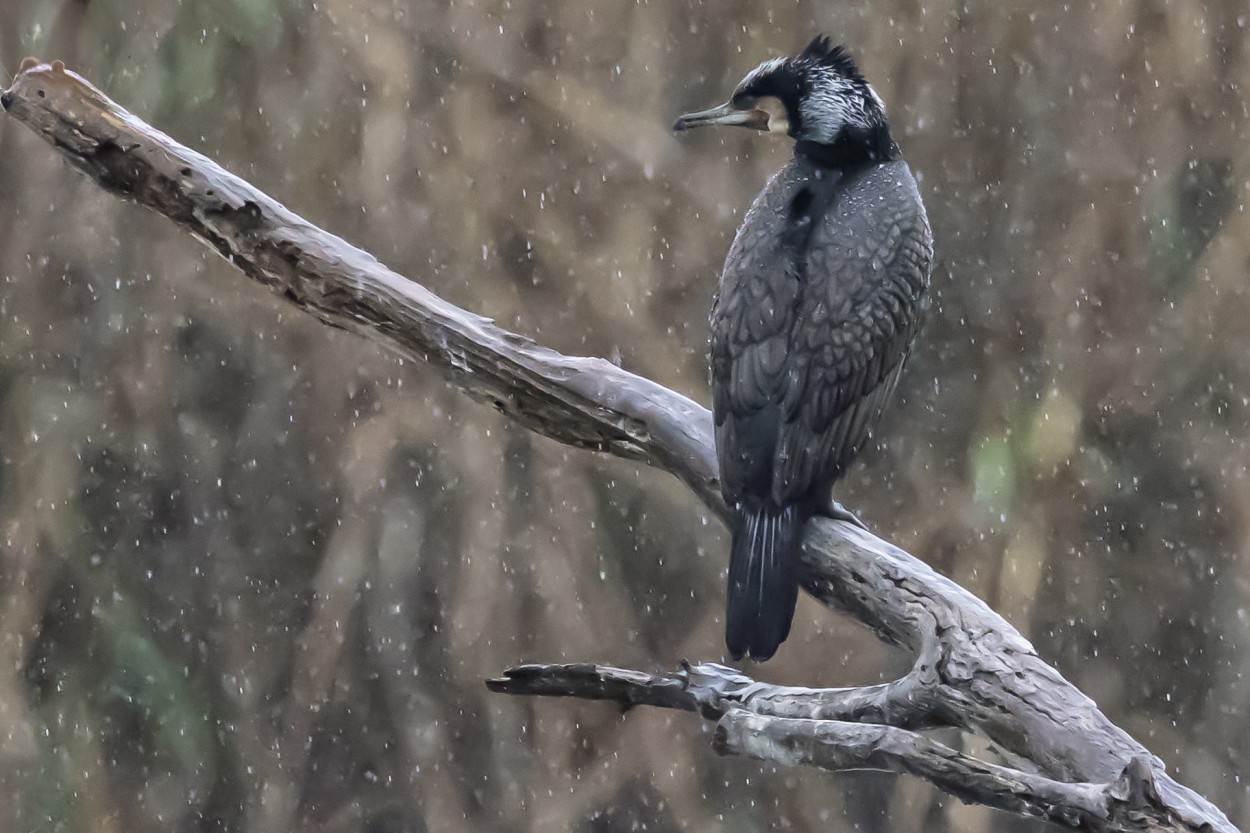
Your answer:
<point x="763" y="577"/>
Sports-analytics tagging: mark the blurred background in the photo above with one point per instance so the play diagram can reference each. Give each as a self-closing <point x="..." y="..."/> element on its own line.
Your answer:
<point x="254" y="570"/>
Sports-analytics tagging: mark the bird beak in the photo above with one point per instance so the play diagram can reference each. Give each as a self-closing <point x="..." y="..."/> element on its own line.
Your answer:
<point x="724" y="114"/>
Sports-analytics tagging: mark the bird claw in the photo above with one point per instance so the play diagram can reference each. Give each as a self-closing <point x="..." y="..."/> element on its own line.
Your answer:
<point x="837" y="512"/>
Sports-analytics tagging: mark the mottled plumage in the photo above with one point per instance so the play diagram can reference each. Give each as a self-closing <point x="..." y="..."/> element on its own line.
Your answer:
<point x="820" y="299"/>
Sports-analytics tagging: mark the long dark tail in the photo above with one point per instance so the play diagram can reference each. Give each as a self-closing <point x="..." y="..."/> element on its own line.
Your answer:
<point x="763" y="577"/>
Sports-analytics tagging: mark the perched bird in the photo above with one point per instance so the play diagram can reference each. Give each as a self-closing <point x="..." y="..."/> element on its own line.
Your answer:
<point x="820" y="298"/>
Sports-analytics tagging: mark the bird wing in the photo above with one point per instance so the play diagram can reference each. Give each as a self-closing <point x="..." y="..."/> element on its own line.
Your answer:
<point x="866" y="269"/>
<point x="751" y="320"/>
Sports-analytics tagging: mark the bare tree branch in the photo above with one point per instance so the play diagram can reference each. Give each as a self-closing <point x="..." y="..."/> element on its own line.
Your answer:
<point x="584" y="402"/>
<point x="869" y="728"/>
<point x="973" y="671"/>
<point x="1129" y="804"/>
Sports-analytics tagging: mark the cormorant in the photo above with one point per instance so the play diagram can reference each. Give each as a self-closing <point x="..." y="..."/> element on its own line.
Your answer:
<point x="820" y="298"/>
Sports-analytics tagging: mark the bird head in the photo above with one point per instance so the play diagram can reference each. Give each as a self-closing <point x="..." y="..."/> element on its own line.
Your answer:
<point x="815" y="96"/>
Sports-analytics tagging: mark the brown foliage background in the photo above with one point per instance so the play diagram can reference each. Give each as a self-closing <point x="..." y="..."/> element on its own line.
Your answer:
<point x="254" y="571"/>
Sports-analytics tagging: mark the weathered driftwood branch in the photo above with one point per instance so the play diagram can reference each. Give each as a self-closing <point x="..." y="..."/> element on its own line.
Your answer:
<point x="973" y="670"/>
<point x="874" y="727"/>
<point x="585" y="402"/>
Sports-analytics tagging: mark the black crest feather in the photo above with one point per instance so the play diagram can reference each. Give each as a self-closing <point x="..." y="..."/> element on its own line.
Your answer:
<point x="823" y="51"/>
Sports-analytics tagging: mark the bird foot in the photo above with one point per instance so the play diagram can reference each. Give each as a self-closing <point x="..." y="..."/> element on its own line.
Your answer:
<point x="838" y="512"/>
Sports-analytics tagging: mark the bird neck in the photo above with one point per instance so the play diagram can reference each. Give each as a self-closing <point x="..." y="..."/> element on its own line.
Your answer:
<point x="854" y="146"/>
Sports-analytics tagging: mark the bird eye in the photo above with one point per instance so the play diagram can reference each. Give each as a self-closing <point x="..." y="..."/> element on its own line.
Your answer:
<point x="742" y="101"/>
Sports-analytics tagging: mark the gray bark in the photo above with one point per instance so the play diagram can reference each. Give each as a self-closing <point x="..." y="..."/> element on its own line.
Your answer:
<point x="973" y="670"/>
